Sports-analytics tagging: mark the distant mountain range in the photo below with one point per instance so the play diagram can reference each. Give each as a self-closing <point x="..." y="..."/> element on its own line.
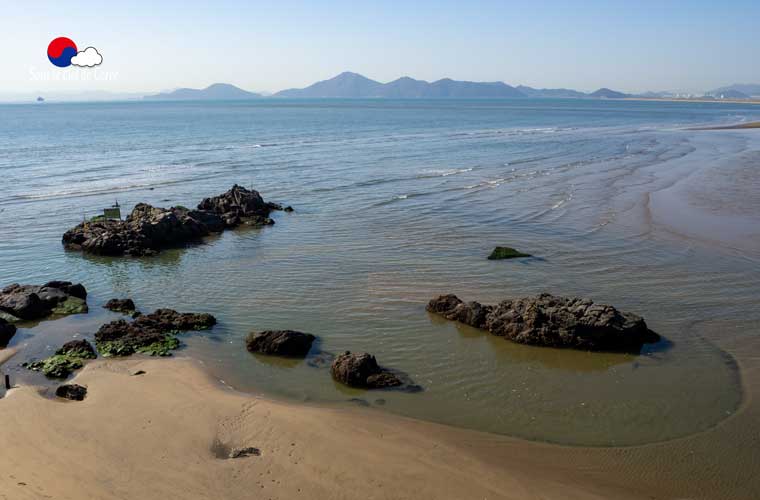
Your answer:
<point x="215" y="92"/>
<point x="746" y="89"/>
<point x="350" y="85"/>
<point x="354" y="85"/>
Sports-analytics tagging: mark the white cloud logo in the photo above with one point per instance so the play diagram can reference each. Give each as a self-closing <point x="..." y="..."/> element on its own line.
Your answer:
<point x="88" y="57"/>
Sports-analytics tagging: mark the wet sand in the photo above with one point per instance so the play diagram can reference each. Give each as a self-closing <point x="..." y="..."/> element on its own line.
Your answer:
<point x="163" y="435"/>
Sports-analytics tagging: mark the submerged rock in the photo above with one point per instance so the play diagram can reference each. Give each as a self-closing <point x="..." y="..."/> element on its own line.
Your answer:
<point x="126" y="306"/>
<point x="7" y="331"/>
<point x="30" y="302"/>
<point x="148" y="230"/>
<point x="152" y="334"/>
<point x="547" y="320"/>
<point x="500" y="253"/>
<point x="280" y="343"/>
<point x="74" y="392"/>
<point x="362" y="371"/>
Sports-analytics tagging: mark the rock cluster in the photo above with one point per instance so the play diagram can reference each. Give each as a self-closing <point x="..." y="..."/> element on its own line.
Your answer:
<point x="362" y="371"/>
<point x="280" y="343"/>
<point x="547" y="320"/>
<point x="148" y="230"/>
<point x="152" y="334"/>
<point x="28" y="302"/>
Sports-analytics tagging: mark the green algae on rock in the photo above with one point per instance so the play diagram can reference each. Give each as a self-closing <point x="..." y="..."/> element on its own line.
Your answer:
<point x="500" y="253"/>
<point x="152" y="334"/>
<point x="68" y="358"/>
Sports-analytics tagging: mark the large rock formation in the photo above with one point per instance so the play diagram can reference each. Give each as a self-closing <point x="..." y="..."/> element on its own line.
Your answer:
<point x="362" y="371"/>
<point x="148" y="230"/>
<point x="29" y="302"/>
<point x="546" y="320"/>
<point x="152" y="334"/>
<point x="280" y="343"/>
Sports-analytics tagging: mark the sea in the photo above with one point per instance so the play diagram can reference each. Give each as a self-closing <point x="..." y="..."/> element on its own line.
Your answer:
<point x="629" y="203"/>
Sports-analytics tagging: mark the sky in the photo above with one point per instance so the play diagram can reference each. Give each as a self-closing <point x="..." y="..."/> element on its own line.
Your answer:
<point x="149" y="46"/>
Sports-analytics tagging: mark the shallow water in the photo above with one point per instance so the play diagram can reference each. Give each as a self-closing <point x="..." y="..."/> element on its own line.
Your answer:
<point x="397" y="202"/>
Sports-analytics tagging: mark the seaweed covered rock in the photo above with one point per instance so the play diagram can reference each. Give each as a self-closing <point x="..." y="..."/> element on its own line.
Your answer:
<point x="547" y="320"/>
<point x="152" y="334"/>
<point x="56" y="366"/>
<point x="126" y="306"/>
<point x="7" y="331"/>
<point x="362" y="371"/>
<point x="68" y="358"/>
<point x="30" y="302"/>
<point x="78" y="349"/>
<point x="280" y="343"/>
<point x="74" y="392"/>
<point x="148" y="229"/>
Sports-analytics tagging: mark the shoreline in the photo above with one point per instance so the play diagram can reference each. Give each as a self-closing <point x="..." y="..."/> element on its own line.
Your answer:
<point x="309" y="450"/>
<point x="737" y="126"/>
<point x="305" y="451"/>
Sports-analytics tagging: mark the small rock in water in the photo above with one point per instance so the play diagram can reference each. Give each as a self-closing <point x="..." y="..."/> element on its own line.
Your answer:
<point x="280" y="342"/>
<point x="126" y="306"/>
<point x="500" y="253"/>
<point x="75" y="392"/>
<point x="362" y="371"/>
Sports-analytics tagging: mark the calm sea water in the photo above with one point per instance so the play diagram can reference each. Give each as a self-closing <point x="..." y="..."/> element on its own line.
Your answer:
<point x="397" y="202"/>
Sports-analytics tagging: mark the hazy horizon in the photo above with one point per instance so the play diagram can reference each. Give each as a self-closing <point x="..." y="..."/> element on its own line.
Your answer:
<point x="148" y="48"/>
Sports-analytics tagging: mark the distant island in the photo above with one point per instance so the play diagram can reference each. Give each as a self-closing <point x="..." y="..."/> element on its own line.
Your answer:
<point x="215" y="92"/>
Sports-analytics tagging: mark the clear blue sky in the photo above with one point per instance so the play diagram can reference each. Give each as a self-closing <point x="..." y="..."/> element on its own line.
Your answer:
<point x="155" y="45"/>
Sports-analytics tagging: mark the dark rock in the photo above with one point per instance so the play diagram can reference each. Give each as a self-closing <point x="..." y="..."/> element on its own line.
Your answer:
<point x="362" y="370"/>
<point x="149" y="333"/>
<point x="280" y="343"/>
<point x="500" y="253"/>
<point x="73" y="392"/>
<point x="34" y="302"/>
<point x="452" y="308"/>
<point x="78" y="349"/>
<point x="148" y="230"/>
<point x="237" y="204"/>
<point x="126" y="306"/>
<point x="546" y="320"/>
<point x="245" y="452"/>
<point x="7" y="331"/>
<point x="138" y="372"/>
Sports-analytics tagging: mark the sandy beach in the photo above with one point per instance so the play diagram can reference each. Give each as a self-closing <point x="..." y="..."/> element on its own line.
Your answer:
<point x="115" y="445"/>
